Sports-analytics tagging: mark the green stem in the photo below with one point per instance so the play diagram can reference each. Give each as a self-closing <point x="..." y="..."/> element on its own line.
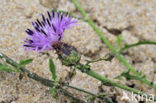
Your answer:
<point x="108" y="57"/>
<point x="48" y="82"/>
<point x="79" y="89"/>
<point x="136" y="44"/>
<point x="92" y="94"/>
<point x="98" y="31"/>
<point x="44" y="81"/>
<point x="103" y="79"/>
<point x="93" y="97"/>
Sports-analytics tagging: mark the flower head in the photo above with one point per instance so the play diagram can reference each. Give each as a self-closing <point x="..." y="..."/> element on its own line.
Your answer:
<point x="48" y="31"/>
<point x="68" y="54"/>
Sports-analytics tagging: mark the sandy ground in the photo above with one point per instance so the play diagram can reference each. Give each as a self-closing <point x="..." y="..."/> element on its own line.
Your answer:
<point x="135" y="19"/>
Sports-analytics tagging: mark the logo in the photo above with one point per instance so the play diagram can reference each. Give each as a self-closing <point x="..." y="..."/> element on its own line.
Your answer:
<point x="135" y="97"/>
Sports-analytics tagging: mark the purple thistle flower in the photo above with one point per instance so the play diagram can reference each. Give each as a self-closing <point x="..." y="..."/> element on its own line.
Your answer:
<point x="48" y="31"/>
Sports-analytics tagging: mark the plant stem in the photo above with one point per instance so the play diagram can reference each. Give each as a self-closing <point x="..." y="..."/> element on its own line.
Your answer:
<point x="98" y="31"/>
<point x="108" y="57"/>
<point x="80" y="67"/>
<point x="80" y="89"/>
<point x="44" y="81"/>
<point x="92" y="94"/>
<point x="48" y="82"/>
<point x="103" y="79"/>
<point x="127" y="46"/>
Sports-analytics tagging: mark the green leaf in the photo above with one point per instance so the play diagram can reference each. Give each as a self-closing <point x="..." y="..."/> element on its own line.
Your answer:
<point x="74" y="72"/>
<point x="1" y="56"/>
<point x="91" y="98"/>
<point x="52" y="69"/>
<point x="5" y="67"/>
<point x="120" y="38"/>
<point x="54" y="92"/>
<point x="140" y="72"/>
<point x="54" y="89"/>
<point x="128" y="76"/>
<point x="24" y="62"/>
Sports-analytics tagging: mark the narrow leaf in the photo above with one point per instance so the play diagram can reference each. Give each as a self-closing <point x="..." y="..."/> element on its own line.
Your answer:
<point x="5" y="67"/>
<point x="120" y="38"/>
<point x="24" y="62"/>
<point x="54" y="92"/>
<point x="52" y="69"/>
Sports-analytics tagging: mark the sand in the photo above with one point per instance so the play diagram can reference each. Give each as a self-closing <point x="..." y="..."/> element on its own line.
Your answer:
<point x="135" y="19"/>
